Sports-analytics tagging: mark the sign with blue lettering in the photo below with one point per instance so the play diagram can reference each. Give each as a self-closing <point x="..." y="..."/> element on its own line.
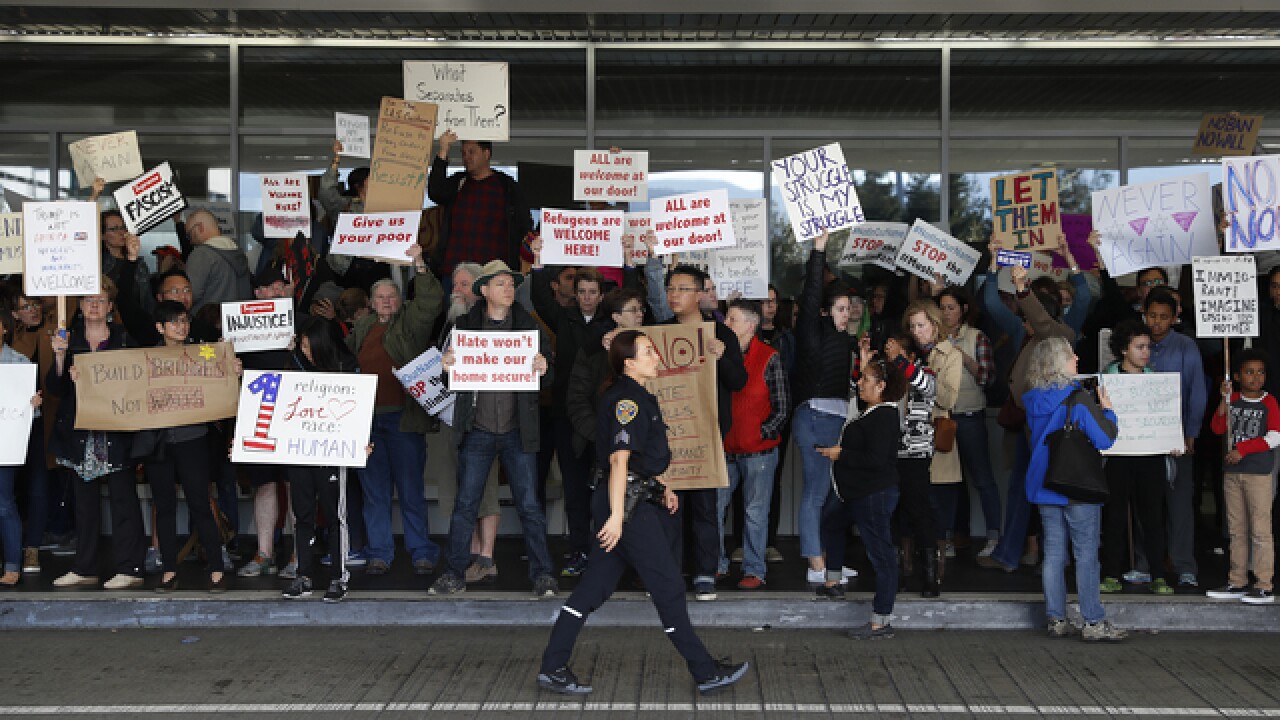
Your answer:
<point x="1227" y="134"/>
<point x="1159" y="223"/>
<point x="1024" y="211"/>
<point x="819" y="191"/>
<point x="1009" y="258"/>
<point x="1251" y="201"/>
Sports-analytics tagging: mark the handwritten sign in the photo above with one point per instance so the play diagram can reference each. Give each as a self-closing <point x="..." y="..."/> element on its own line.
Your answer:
<point x="1024" y="211"/>
<point x="582" y="237"/>
<point x="381" y="236"/>
<point x="353" y="132"/>
<point x="1148" y="409"/>
<point x="474" y="97"/>
<point x="301" y="418"/>
<point x="258" y="325"/>
<point x="1164" y="222"/>
<point x="1251" y="200"/>
<point x="1226" y="294"/>
<point x="16" y="413"/>
<point x="819" y="191"/>
<point x="10" y="243"/>
<point x="744" y="268"/>
<point x="1038" y="265"/>
<point x="401" y="156"/>
<point x="486" y="361"/>
<point x="874" y="243"/>
<point x="149" y="200"/>
<point x="636" y="225"/>
<point x="157" y="387"/>
<point x="1227" y="134"/>
<point x="60" y="252"/>
<point x="610" y="177"/>
<point x="113" y="158"/>
<point x="686" y="392"/>
<point x="1076" y="229"/>
<point x="286" y="208"/>
<point x="927" y="250"/>
<point x="693" y="221"/>
<point x="423" y="379"/>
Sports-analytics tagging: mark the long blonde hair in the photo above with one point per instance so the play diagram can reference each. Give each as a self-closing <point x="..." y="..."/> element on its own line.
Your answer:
<point x="1049" y="363"/>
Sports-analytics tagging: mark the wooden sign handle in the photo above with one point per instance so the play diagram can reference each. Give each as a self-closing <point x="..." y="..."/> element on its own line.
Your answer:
<point x="62" y="312"/>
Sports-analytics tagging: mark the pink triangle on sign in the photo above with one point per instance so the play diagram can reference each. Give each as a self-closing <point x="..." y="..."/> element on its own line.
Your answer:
<point x="1139" y="225"/>
<point x="1184" y="219"/>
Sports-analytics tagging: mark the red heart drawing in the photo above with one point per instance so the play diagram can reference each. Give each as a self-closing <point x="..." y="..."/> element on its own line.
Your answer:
<point x="341" y="408"/>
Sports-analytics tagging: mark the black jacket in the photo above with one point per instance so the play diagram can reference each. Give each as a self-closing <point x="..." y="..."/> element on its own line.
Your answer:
<point x="583" y="395"/>
<point x="573" y="333"/>
<point x="868" y="460"/>
<point x="68" y="442"/>
<point x="824" y="355"/>
<point x="442" y="188"/>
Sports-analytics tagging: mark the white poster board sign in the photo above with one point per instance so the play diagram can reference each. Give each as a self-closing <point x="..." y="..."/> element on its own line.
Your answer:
<point x="693" y="221"/>
<point x="1148" y="409"/>
<point x="744" y="268"/>
<point x="423" y="378"/>
<point x="381" y="236"/>
<point x="301" y="418"/>
<point x="1164" y="222"/>
<point x="1226" y="295"/>
<point x="353" y="132"/>
<point x="485" y="361"/>
<point x="114" y="158"/>
<point x="10" y="243"/>
<point x="16" y="413"/>
<point x="286" y="207"/>
<point x="819" y="191"/>
<point x="582" y="237"/>
<point x="602" y="176"/>
<point x="636" y="225"/>
<point x="60" y="252"/>
<point x="927" y="250"/>
<point x="874" y="243"/>
<point x="258" y="324"/>
<point x="149" y="200"/>
<point x="474" y="97"/>
<point x="1251" y="200"/>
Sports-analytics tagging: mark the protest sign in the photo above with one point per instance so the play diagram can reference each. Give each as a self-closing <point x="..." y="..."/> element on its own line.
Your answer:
<point x="224" y="214"/>
<point x="874" y="243"/>
<point x="1251" y="201"/>
<point x="610" y="177"/>
<point x="1226" y="294"/>
<point x="423" y="378"/>
<point x="473" y="96"/>
<point x="927" y="250"/>
<point x="1164" y="222"/>
<point x="693" y="221"/>
<point x="1076" y="229"/>
<point x="1148" y="409"/>
<point x="381" y="236"/>
<point x="1013" y="258"/>
<point x="304" y="418"/>
<point x="744" y="268"/>
<point x="258" y="324"/>
<point x="582" y="237"/>
<point x="485" y="361"/>
<point x="686" y="392"/>
<point x="60" y="251"/>
<point x="1039" y="265"/>
<point x="159" y="387"/>
<point x="10" y="243"/>
<point x="819" y="191"/>
<point x="114" y="158"/>
<point x="353" y="133"/>
<point x="16" y="413"/>
<point x="636" y="225"/>
<point x="401" y="156"/>
<point x="1024" y="211"/>
<point x="1227" y="134"/>
<point x="286" y="207"/>
<point x="149" y="200"/>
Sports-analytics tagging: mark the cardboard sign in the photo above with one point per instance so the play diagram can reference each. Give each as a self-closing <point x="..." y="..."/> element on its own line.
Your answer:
<point x="60" y="251"/>
<point x="16" y="413"/>
<point x="819" y="191"/>
<point x="1148" y="409"/>
<point x="927" y="250"/>
<point x="10" y="243"/>
<point x="610" y="177"/>
<point x="286" y="207"/>
<point x="1040" y="265"/>
<point x="353" y="132"/>
<point x="1013" y="258"/>
<point x="158" y="387"/>
<point x="744" y="268"/>
<point x="1227" y="134"/>
<point x="423" y="378"/>
<point x="1165" y="222"/>
<point x="1024" y="211"/>
<point x="874" y="243"/>
<point x="401" y="156"/>
<point x="381" y="236"/>
<point x="582" y="237"/>
<point x="1226" y="294"/>
<point x="686" y="392"/>
<point x="1251" y="201"/>
<point x="149" y="200"/>
<point x="474" y="97"/>
<point x="485" y="361"/>
<point x="114" y="158"/>
<point x="258" y="324"/>
<point x="636" y="225"/>
<point x="302" y="418"/>
<point x="693" y="221"/>
<point x="1076" y="229"/>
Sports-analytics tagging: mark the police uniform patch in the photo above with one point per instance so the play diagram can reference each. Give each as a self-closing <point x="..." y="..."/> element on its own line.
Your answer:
<point x="625" y="411"/>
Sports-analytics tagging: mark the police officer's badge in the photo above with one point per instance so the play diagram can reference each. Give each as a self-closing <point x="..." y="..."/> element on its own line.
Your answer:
<point x="626" y="411"/>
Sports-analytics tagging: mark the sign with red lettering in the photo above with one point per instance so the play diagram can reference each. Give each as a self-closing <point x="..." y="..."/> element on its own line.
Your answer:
<point x="582" y="237"/>
<point x="1041" y="265"/>
<point x="693" y="221"/>
<point x="157" y="387"/>
<point x="286" y="208"/>
<point x="488" y="361"/>
<point x="304" y="418"/>
<point x="875" y="243"/>
<point x="1024" y="211"/>
<point x="927" y="250"/>
<point x="258" y="324"/>
<point x="149" y="200"/>
<point x="113" y="158"/>
<point x="60" y="250"/>
<point x="686" y="392"/>
<point x="819" y="191"/>
<point x="636" y="225"/>
<point x="381" y="236"/>
<point x="603" y="176"/>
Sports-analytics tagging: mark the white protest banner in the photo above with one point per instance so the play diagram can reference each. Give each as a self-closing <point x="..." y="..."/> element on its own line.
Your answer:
<point x="1164" y="222"/>
<point x="610" y="177"/>
<point x="16" y="413"/>
<point x="1251" y="200"/>
<point x="474" y="97"/>
<point x="928" y="250"/>
<point x="381" y="236"/>
<point x="582" y="237"/>
<point x="1148" y="409"/>
<point x="258" y="324"/>
<point x="149" y="200"/>
<point x="286" y="208"/>
<point x="875" y="243"/>
<point x="224" y="214"/>
<point x="303" y="418"/>
<point x="637" y="224"/>
<point x="423" y="378"/>
<point x="744" y="268"/>
<point x="1226" y="294"/>
<point x="486" y="361"/>
<point x="113" y="158"/>
<point x="60" y="250"/>
<point x="693" y="221"/>
<point x="1041" y="266"/>
<point x="353" y="133"/>
<point x="10" y="243"/>
<point x="819" y="191"/>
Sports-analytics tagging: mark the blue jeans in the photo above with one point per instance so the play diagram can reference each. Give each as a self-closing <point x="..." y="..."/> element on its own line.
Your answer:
<point x="755" y="474"/>
<point x="10" y="521"/>
<point x="814" y="428"/>
<point x="1017" y="512"/>
<point x="396" y="464"/>
<point x="476" y="454"/>
<point x="1083" y="521"/>
<point x="975" y="457"/>
<point x="872" y="513"/>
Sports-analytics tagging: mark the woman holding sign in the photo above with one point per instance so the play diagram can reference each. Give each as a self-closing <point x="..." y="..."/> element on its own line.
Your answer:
<point x="10" y="521"/>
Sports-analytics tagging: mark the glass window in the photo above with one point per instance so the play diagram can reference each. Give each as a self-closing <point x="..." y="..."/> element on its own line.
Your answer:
<point x="24" y="166"/>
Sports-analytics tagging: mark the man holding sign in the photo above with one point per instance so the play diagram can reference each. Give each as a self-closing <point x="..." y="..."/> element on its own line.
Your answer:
<point x="484" y="214"/>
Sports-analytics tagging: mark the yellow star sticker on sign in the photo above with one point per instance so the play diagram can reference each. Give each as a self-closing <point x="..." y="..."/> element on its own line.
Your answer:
<point x="207" y="352"/>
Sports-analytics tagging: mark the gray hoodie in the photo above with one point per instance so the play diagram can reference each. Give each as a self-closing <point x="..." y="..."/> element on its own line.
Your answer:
<point x="219" y="273"/>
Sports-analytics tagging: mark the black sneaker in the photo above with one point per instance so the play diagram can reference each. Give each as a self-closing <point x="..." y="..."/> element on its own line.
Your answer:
<point x="336" y="592"/>
<point x="870" y="632"/>
<point x="446" y="584"/>
<point x="830" y="592"/>
<point x="299" y="588"/>
<point x="726" y="675"/>
<point x="562" y="681"/>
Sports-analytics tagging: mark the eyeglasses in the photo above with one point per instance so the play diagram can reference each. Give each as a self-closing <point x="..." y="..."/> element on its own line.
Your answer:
<point x="183" y="290"/>
<point x="94" y="301"/>
<point x="683" y="289"/>
<point x="1153" y="282"/>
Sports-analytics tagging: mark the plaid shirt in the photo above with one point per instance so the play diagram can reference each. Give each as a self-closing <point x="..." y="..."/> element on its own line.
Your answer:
<point x="478" y="223"/>
<point x="986" y="360"/>
<point x="775" y="378"/>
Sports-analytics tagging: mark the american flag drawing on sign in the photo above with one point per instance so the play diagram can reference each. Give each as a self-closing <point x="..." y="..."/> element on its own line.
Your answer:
<point x="268" y="386"/>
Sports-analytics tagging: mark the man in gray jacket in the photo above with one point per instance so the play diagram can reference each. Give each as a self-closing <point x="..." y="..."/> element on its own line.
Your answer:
<point x="218" y="268"/>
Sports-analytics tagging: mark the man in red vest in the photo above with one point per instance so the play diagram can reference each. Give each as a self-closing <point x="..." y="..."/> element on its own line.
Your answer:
<point x="751" y="447"/>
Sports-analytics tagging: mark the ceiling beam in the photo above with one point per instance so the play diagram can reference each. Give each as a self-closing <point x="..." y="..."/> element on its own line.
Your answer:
<point x="732" y="7"/>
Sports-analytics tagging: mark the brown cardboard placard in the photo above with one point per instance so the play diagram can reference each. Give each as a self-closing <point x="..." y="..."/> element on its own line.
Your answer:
<point x="686" y="392"/>
<point x="401" y="156"/>
<point x="1227" y="134"/>
<point x="157" y="387"/>
<point x="1025" y="214"/>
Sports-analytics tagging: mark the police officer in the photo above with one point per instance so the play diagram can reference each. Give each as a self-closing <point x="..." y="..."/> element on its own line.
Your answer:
<point x="632" y="450"/>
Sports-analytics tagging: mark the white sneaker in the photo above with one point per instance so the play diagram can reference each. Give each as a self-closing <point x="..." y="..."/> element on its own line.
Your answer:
<point x="816" y="576"/>
<point x="990" y="547"/>
<point x="846" y="573"/>
<point x="123" y="582"/>
<point x="73" y="579"/>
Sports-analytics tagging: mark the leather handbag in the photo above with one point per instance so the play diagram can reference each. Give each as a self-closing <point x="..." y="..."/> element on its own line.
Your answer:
<point x="1075" y="465"/>
<point x="944" y="434"/>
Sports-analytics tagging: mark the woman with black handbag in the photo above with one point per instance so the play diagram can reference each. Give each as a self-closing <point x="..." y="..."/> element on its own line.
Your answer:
<point x="1068" y="426"/>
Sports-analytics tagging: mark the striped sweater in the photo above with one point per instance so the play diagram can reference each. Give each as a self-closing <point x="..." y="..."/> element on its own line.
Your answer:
<point x="917" y="418"/>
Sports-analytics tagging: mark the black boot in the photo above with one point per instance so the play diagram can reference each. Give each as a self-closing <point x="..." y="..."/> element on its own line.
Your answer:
<point x="905" y="564"/>
<point x="928" y="561"/>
